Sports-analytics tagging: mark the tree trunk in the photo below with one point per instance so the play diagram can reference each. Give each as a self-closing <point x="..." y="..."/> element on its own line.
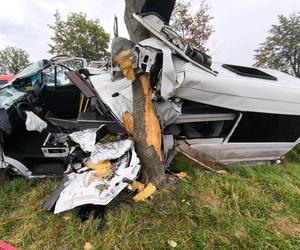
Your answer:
<point x="135" y="30"/>
<point x="146" y="127"/>
<point x="147" y="132"/>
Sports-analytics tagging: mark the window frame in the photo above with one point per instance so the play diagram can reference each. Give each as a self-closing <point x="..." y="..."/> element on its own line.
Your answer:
<point x="262" y="75"/>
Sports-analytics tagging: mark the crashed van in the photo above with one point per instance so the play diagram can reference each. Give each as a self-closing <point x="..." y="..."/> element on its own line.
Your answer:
<point x="54" y="124"/>
<point x="60" y="117"/>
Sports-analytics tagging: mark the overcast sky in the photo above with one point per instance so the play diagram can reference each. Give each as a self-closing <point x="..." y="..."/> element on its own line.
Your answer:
<point x="240" y="25"/>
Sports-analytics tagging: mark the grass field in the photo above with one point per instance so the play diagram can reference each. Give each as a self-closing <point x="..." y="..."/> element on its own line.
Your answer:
<point x="250" y="207"/>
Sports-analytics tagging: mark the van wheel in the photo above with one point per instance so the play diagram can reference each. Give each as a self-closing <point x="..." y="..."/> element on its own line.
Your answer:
<point x="7" y="174"/>
<point x="4" y="175"/>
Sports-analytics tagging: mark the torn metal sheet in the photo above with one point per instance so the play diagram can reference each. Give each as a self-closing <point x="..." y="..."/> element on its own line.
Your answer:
<point x="86" y="139"/>
<point x="84" y="189"/>
<point x="168" y="112"/>
<point x="168" y="70"/>
<point x="50" y="203"/>
<point x="110" y="150"/>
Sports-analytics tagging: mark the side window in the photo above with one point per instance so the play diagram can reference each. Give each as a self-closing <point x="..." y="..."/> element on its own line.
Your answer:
<point x="49" y="76"/>
<point x="61" y="78"/>
<point x="55" y="76"/>
<point x="74" y="64"/>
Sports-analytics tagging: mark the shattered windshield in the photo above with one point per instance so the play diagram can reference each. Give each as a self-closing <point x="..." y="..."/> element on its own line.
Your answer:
<point x="32" y="69"/>
<point x="8" y="96"/>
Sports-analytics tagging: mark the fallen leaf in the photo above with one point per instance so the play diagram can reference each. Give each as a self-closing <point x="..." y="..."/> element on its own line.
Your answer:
<point x="182" y="175"/>
<point x="66" y="218"/>
<point x="147" y="192"/>
<point x="88" y="246"/>
<point x="172" y="243"/>
<point x="137" y="186"/>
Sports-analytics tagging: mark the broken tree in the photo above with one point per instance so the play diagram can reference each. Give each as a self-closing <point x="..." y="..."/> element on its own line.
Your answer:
<point x="146" y="127"/>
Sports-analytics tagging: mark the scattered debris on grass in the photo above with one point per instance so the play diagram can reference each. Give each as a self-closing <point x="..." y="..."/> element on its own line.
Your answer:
<point x="172" y="243"/>
<point x="66" y="218"/>
<point x="88" y="246"/>
<point x="182" y="175"/>
<point x="145" y="193"/>
<point x="137" y="186"/>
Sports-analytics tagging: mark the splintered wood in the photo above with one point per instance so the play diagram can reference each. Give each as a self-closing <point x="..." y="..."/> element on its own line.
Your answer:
<point x="152" y="126"/>
<point x="128" y="122"/>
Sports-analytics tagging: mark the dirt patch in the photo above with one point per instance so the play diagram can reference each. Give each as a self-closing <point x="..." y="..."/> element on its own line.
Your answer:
<point x="278" y="206"/>
<point x="210" y="199"/>
<point x="287" y="225"/>
<point x="206" y="198"/>
<point x="241" y="233"/>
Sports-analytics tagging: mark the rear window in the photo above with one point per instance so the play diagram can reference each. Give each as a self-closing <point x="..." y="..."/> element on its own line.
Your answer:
<point x="3" y="82"/>
<point x="249" y="72"/>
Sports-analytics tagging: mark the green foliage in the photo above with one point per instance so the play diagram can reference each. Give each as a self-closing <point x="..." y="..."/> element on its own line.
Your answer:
<point x="281" y="50"/>
<point x="250" y="207"/>
<point x="194" y="28"/>
<point x="79" y="36"/>
<point x="12" y="60"/>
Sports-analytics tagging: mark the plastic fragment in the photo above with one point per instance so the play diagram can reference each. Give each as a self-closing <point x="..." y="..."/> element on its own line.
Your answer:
<point x="145" y="193"/>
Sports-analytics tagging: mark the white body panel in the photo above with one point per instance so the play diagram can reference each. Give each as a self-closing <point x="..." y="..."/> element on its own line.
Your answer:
<point x="232" y="91"/>
<point x="82" y="189"/>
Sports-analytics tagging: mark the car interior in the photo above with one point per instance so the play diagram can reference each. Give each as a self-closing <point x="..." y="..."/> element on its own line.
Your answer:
<point x="67" y="102"/>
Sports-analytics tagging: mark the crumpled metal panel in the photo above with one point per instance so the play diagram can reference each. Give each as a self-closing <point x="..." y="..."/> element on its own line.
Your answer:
<point x="83" y="189"/>
<point x="103" y="151"/>
<point x="86" y="139"/>
<point x="168" y="70"/>
<point x="168" y="112"/>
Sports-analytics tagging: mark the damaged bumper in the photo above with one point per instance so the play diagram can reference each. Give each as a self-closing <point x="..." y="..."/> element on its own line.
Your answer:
<point x="87" y="188"/>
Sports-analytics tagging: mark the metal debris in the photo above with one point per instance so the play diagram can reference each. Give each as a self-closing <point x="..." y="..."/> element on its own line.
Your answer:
<point x="110" y="150"/>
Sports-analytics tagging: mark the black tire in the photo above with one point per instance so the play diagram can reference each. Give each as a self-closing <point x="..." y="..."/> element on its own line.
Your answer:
<point x="7" y="174"/>
<point x="4" y="176"/>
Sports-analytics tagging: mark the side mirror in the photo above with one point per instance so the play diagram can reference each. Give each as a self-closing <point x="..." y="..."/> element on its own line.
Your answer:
<point x="116" y="27"/>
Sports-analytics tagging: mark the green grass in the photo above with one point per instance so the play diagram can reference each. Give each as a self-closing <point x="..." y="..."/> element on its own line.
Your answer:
<point x="253" y="206"/>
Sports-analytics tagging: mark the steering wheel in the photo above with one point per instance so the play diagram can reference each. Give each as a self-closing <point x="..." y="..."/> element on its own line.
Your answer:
<point x="22" y="107"/>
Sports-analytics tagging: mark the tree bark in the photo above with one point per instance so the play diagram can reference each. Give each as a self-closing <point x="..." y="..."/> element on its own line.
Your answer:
<point x="146" y="126"/>
<point x="147" y="133"/>
<point x="135" y="30"/>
